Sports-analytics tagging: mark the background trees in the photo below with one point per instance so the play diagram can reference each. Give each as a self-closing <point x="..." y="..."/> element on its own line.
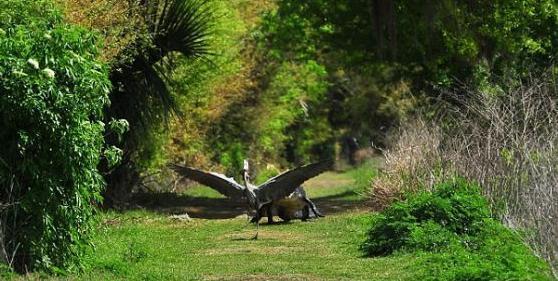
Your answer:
<point x="141" y="94"/>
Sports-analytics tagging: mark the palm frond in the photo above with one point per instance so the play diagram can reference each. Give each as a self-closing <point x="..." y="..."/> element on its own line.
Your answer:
<point x="181" y="26"/>
<point x="176" y="27"/>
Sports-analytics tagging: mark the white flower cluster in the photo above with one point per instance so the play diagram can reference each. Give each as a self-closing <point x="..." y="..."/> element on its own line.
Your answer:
<point x="34" y="63"/>
<point x="49" y="72"/>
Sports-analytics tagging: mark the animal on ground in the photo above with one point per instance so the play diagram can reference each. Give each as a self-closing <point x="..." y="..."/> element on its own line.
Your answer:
<point x="281" y="195"/>
<point x="295" y="206"/>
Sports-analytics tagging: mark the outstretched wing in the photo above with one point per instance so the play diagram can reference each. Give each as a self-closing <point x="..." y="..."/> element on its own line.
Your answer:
<point x="224" y="185"/>
<point x="284" y="184"/>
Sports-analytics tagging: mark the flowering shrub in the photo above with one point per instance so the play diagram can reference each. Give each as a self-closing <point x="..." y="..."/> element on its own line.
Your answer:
<point x="52" y="94"/>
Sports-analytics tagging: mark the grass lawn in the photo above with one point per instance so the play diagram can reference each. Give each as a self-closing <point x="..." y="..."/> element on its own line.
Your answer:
<point x="143" y="246"/>
<point x="148" y="245"/>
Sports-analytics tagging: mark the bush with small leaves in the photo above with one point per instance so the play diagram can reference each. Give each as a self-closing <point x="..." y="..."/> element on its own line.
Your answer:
<point x="52" y="94"/>
<point x="450" y="230"/>
<point x="455" y="207"/>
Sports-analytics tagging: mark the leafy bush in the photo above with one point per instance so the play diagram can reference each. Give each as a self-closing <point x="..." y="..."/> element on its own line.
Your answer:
<point x="452" y="224"/>
<point x="496" y="253"/>
<point x="456" y="207"/>
<point x="53" y="91"/>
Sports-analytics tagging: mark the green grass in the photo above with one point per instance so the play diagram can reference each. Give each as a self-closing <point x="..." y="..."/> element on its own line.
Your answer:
<point x="203" y="192"/>
<point x="145" y="246"/>
<point x="149" y="245"/>
<point x="142" y="245"/>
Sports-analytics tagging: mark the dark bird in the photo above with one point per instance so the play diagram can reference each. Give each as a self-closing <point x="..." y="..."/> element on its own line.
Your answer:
<point x="281" y="195"/>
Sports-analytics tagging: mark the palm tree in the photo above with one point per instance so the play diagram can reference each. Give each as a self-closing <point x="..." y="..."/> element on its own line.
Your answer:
<point x="141" y="91"/>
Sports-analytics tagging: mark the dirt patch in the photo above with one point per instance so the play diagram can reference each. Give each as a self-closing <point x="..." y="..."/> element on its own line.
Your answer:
<point x="263" y="250"/>
<point x="263" y="234"/>
<point x="262" y="277"/>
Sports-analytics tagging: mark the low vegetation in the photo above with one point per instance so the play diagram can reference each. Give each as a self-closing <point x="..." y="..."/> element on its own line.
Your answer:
<point x="454" y="236"/>
<point x="442" y="88"/>
<point x="503" y="139"/>
<point x="446" y="234"/>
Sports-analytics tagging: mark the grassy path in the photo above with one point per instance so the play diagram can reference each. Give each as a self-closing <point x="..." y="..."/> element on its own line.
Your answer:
<point x="148" y="245"/>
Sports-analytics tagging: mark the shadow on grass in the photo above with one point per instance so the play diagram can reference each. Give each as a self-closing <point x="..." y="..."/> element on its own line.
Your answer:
<point x="196" y="207"/>
<point x="339" y="203"/>
<point x="225" y="208"/>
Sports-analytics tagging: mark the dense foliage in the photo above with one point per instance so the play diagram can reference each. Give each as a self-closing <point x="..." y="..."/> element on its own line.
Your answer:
<point x="142" y="94"/>
<point x="454" y="221"/>
<point x="53" y="91"/>
<point x="379" y="52"/>
<point x="505" y="140"/>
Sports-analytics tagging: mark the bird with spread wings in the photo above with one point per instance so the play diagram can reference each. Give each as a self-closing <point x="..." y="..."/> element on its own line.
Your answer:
<point x="281" y="195"/>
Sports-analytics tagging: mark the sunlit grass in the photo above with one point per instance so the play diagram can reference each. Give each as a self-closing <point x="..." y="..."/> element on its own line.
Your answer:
<point x="147" y="246"/>
<point x="202" y="191"/>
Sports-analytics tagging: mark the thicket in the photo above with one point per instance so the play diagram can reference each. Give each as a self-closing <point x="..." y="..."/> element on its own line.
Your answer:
<point x="239" y="104"/>
<point x="505" y="141"/>
<point x="449" y="227"/>
<point x="118" y="23"/>
<point x="53" y="92"/>
<point x="212" y="87"/>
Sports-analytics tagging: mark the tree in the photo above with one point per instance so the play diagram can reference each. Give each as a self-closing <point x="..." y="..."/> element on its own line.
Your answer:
<point x="141" y="94"/>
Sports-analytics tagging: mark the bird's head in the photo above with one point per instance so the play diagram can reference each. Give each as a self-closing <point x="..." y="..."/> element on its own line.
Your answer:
<point x="246" y="173"/>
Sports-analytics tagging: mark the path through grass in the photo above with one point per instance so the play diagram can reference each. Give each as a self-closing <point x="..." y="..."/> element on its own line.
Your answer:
<point x="149" y="245"/>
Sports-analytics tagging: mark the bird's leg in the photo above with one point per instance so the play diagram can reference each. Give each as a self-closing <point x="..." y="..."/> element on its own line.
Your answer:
<point x="313" y="207"/>
<point x="258" y="210"/>
<point x="305" y="213"/>
<point x="255" y="218"/>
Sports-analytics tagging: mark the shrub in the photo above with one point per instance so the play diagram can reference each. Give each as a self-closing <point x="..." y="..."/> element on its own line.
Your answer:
<point x="504" y="138"/>
<point x="496" y="253"/>
<point x="454" y="237"/>
<point x="455" y="207"/>
<point x="410" y="163"/>
<point x="53" y="92"/>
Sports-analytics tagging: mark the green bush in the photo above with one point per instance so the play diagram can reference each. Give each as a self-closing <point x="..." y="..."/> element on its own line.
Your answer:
<point x="52" y="94"/>
<point x="455" y="207"/>
<point x="451" y="231"/>
<point x="496" y="253"/>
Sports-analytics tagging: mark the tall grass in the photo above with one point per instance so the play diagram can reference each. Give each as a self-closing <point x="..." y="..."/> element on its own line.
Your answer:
<point x="507" y="142"/>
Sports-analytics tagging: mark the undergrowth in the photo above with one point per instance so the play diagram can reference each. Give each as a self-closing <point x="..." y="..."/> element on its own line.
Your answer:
<point x="451" y="231"/>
